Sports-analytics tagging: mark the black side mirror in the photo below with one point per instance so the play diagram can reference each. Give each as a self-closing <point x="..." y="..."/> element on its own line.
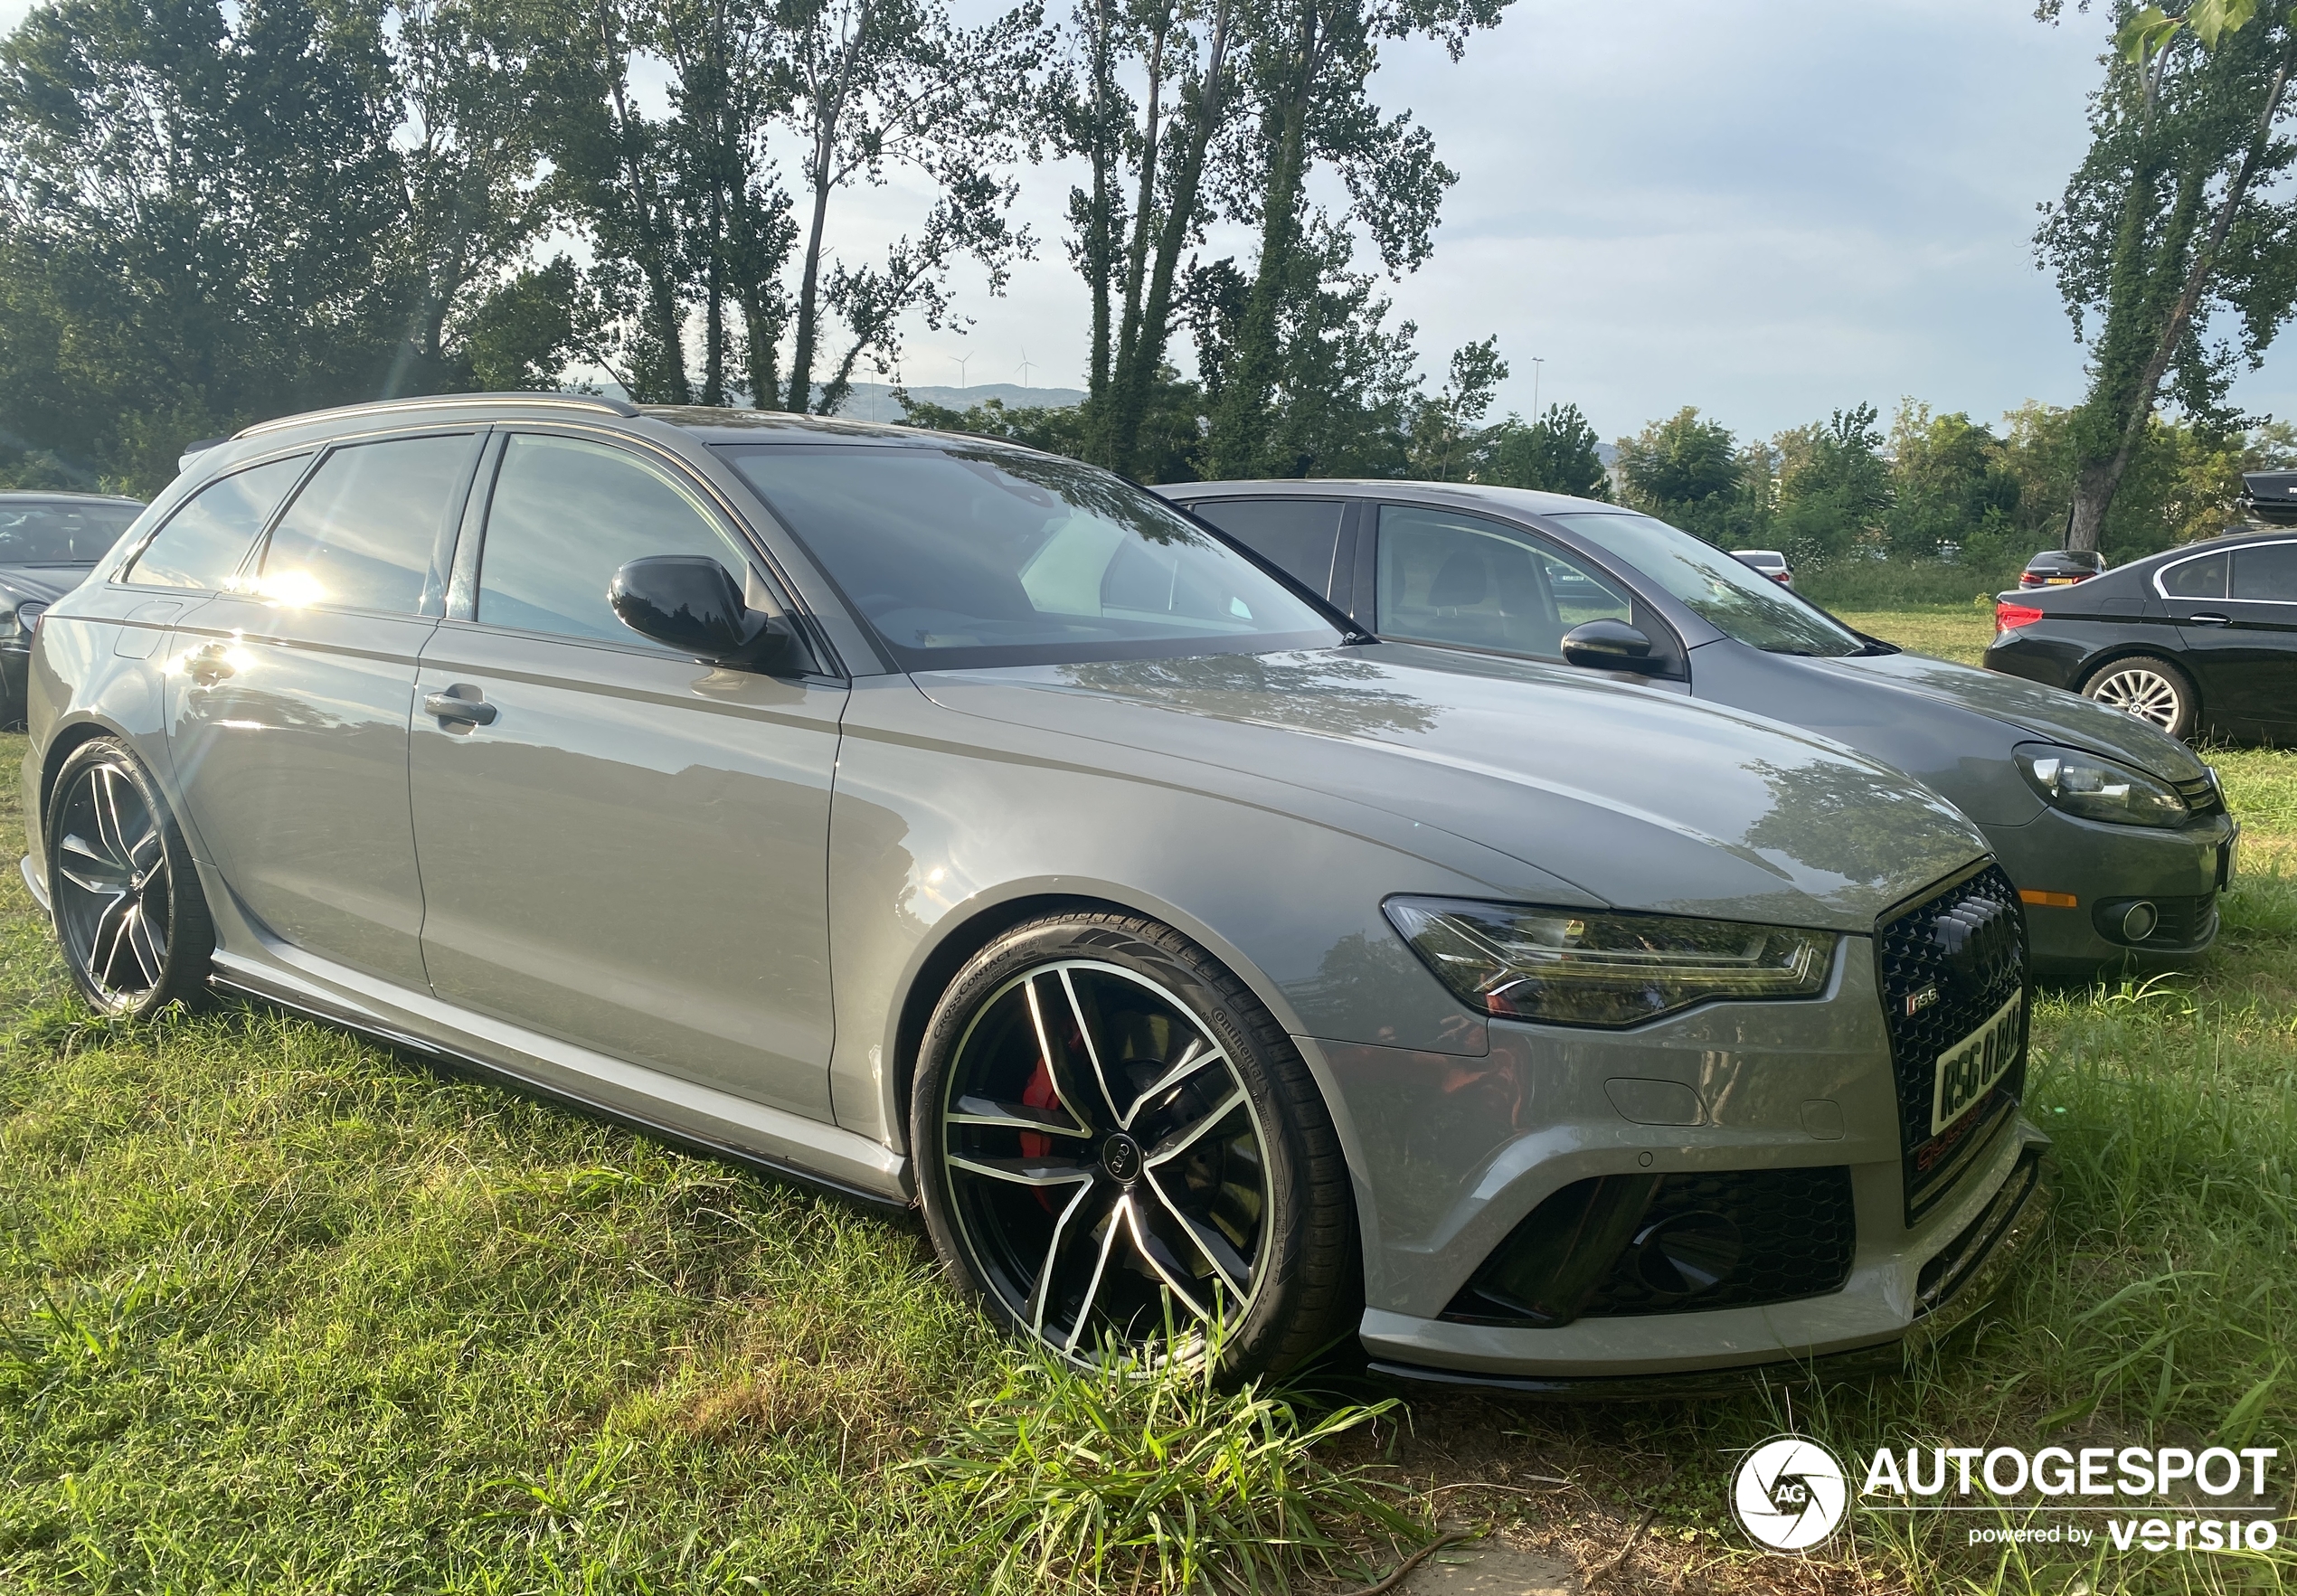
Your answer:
<point x="1609" y="646"/>
<point x="690" y="602"/>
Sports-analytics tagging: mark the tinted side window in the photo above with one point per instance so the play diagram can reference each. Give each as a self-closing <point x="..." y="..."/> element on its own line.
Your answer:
<point x="1449" y="578"/>
<point x="2196" y="579"/>
<point x="362" y="533"/>
<point x="566" y="516"/>
<point x="2267" y="572"/>
<point x="209" y="533"/>
<point x="1299" y="534"/>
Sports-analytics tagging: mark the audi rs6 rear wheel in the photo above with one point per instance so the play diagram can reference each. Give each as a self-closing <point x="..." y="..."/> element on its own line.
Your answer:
<point x="128" y="907"/>
<point x="2151" y="689"/>
<point x="1119" y="1150"/>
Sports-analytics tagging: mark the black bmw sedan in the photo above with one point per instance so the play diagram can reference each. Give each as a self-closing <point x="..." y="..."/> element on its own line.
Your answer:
<point x="2202" y="635"/>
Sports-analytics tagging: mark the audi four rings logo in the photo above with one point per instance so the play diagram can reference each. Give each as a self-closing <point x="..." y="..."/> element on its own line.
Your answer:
<point x="1976" y="935"/>
<point x="1790" y="1493"/>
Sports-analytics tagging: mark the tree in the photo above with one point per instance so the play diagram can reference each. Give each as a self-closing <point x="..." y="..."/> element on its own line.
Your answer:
<point x="153" y="154"/>
<point x="469" y="76"/>
<point x="2172" y="218"/>
<point x="1167" y="213"/>
<point x="873" y="81"/>
<point x="1834" y="485"/>
<point x="1949" y="483"/>
<point x="1680" y="464"/>
<point x="1445" y="432"/>
<point x="1558" y="453"/>
<point x="618" y="169"/>
<point x="1309" y="63"/>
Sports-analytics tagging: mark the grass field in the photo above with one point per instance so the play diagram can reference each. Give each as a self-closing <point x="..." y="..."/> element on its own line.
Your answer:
<point x="284" y="1311"/>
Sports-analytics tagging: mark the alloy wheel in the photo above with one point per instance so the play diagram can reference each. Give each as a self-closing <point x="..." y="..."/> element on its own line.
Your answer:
<point x="1107" y="1169"/>
<point x="2147" y="694"/>
<point x="111" y="890"/>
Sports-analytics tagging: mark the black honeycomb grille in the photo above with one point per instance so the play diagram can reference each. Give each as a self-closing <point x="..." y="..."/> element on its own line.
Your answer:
<point x="1797" y="1230"/>
<point x="1933" y="998"/>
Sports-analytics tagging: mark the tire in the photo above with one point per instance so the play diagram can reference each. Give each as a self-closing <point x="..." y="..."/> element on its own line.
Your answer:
<point x="2153" y="689"/>
<point x="1110" y="1128"/>
<point x="128" y="904"/>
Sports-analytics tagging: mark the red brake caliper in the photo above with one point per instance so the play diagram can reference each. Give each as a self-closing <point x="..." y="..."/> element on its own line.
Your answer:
<point x="1036" y="1143"/>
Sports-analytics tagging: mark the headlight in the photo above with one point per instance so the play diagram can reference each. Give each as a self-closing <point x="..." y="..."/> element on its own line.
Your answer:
<point x="2098" y="788"/>
<point x="1574" y="967"/>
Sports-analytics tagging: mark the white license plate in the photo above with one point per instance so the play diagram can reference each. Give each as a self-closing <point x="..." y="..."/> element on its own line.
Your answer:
<point x="1970" y="1069"/>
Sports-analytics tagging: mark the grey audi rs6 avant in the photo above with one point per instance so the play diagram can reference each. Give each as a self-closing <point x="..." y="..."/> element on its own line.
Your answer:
<point x="952" y="824"/>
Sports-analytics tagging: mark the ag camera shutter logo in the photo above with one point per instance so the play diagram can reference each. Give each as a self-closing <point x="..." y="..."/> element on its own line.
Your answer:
<point x="1788" y="1494"/>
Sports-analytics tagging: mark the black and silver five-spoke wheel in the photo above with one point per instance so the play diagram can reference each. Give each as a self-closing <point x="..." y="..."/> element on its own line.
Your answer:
<point x="127" y="906"/>
<point x="2149" y="688"/>
<point x="1118" y="1144"/>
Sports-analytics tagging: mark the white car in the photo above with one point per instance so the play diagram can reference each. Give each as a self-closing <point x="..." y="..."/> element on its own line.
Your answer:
<point x="1769" y="562"/>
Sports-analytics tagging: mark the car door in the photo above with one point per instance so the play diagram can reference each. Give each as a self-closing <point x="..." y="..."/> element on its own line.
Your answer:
<point x="2263" y="605"/>
<point x="1446" y="576"/>
<point x="621" y="847"/>
<point x="288" y="693"/>
<point x="2236" y="614"/>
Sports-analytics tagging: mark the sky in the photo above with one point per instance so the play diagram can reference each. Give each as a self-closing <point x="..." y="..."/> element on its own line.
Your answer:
<point x="1766" y="211"/>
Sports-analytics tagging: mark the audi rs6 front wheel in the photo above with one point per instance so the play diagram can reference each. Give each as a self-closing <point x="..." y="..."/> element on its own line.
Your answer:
<point x="1119" y="1148"/>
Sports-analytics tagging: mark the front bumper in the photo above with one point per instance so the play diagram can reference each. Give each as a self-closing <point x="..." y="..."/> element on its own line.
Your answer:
<point x="2100" y="865"/>
<point x="1450" y="1154"/>
<point x="1970" y="1246"/>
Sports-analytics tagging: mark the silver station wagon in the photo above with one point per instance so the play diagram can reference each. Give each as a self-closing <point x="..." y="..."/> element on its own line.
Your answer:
<point x="953" y="825"/>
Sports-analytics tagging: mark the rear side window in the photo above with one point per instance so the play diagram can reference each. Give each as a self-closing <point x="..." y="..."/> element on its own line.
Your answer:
<point x="364" y="532"/>
<point x="2266" y="572"/>
<point x="1302" y="535"/>
<point x="566" y="516"/>
<point x="2196" y="578"/>
<point x="209" y="536"/>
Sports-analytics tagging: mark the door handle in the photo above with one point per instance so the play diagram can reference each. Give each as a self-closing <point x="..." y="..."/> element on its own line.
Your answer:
<point x="2210" y="621"/>
<point x="459" y="705"/>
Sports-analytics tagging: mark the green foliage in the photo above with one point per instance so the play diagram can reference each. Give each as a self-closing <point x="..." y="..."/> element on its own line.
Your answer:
<point x="1557" y="453"/>
<point x="1833" y="488"/>
<point x="2172" y="223"/>
<point x="1149" y="1472"/>
<point x="1687" y="471"/>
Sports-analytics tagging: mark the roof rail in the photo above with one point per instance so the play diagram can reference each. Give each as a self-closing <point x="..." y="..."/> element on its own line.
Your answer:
<point x="589" y="401"/>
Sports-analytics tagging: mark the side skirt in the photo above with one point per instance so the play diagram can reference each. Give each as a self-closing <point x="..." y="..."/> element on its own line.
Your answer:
<point x="717" y="1122"/>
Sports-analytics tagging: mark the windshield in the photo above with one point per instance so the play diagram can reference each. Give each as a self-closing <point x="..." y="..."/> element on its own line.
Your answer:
<point x="963" y="557"/>
<point x="1738" y="601"/>
<point x="61" y="532"/>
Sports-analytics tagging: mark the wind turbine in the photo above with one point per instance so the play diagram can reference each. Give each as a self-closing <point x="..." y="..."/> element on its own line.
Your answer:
<point x="961" y="360"/>
<point x="1024" y="365"/>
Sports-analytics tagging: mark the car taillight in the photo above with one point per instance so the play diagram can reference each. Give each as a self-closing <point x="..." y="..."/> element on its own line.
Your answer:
<point x="2026" y="579"/>
<point x="2008" y="615"/>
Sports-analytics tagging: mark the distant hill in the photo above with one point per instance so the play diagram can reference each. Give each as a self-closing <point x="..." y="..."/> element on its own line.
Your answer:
<point x="873" y="402"/>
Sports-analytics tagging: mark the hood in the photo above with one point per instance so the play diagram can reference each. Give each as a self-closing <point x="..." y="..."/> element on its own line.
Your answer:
<point x="1642" y="798"/>
<point x="41" y="584"/>
<point x="2050" y="713"/>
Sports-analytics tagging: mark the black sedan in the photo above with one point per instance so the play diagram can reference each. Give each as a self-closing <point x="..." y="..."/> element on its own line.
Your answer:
<point x="48" y="543"/>
<point x="2202" y="635"/>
